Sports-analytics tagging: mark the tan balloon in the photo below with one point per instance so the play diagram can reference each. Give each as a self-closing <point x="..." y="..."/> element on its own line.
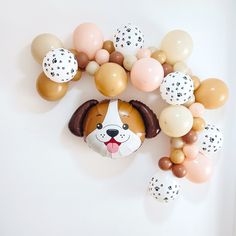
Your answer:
<point x="111" y="79"/>
<point x="176" y="121"/>
<point x="42" y="44"/>
<point x="50" y="90"/>
<point x="212" y="93"/>
<point x="181" y="67"/>
<point x="177" y="45"/>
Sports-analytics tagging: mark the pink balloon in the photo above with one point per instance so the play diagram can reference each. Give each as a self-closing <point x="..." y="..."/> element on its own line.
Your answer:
<point x="147" y="74"/>
<point x="198" y="170"/>
<point x="191" y="151"/>
<point x="102" y="56"/>
<point x="88" y="39"/>
<point x="197" y="109"/>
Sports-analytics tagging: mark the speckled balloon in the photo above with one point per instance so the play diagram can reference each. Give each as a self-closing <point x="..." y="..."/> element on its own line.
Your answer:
<point x="60" y="65"/>
<point x="128" y="39"/>
<point x="210" y="139"/>
<point x="164" y="187"/>
<point x="177" y="88"/>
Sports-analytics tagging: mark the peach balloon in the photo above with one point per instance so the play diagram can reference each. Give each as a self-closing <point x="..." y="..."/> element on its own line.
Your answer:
<point x="102" y="56"/>
<point x="147" y="74"/>
<point x="198" y="170"/>
<point x="190" y="151"/>
<point x="88" y="38"/>
<point x="143" y="53"/>
<point x="197" y="109"/>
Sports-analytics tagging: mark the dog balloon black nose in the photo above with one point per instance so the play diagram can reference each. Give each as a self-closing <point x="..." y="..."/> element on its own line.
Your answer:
<point x="112" y="132"/>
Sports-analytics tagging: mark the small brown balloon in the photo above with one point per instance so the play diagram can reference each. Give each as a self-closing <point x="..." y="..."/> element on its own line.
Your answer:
<point x="177" y="156"/>
<point x="82" y="60"/>
<point x="167" y="68"/>
<point x="50" y="90"/>
<point x="116" y="57"/>
<point x="165" y="163"/>
<point x="77" y="76"/>
<point x="109" y="46"/>
<point x="196" y="82"/>
<point x="179" y="170"/>
<point x="159" y="55"/>
<point x="212" y="93"/>
<point x="190" y="137"/>
<point x="198" y="124"/>
<point x="111" y="79"/>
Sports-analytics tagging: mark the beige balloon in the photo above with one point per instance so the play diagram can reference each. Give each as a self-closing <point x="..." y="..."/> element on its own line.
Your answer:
<point x="177" y="45"/>
<point x="42" y="44"/>
<point x="50" y="90"/>
<point x="111" y="79"/>
<point x="176" y="121"/>
<point x="212" y="93"/>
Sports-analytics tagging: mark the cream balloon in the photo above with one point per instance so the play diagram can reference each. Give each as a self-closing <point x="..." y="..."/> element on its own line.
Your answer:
<point x="177" y="45"/>
<point x="176" y="121"/>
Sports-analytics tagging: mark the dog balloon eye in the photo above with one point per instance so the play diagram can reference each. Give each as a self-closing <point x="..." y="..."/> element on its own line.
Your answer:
<point x="125" y="126"/>
<point x="99" y="126"/>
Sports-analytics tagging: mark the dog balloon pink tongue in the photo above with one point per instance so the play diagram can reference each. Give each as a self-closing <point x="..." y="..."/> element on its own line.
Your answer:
<point x="114" y="128"/>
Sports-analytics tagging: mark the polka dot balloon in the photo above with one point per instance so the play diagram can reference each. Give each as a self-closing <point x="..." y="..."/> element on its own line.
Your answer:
<point x="177" y="88"/>
<point x="210" y="139"/>
<point x="164" y="187"/>
<point x="128" y="39"/>
<point x="60" y="65"/>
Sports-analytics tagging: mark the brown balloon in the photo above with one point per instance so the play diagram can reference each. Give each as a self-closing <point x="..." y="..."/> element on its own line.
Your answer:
<point x="159" y="56"/>
<point x="190" y="137"/>
<point x="212" y="93"/>
<point x="77" y="76"/>
<point x="111" y="79"/>
<point x="50" y="90"/>
<point x="165" y="163"/>
<point x="116" y="57"/>
<point x="167" y="68"/>
<point x="82" y="60"/>
<point x="109" y="46"/>
<point x="179" y="170"/>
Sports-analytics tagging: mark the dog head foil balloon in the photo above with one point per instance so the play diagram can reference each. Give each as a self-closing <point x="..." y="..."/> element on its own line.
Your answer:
<point x="114" y="128"/>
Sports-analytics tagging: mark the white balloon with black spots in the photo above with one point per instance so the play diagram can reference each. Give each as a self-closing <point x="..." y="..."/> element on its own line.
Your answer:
<point x="210" y="140"/>
<point x="128" y="39"/>
<point x="177" y="88"/>
<point x="164" y="186"/>
<point x="60" y="65"/>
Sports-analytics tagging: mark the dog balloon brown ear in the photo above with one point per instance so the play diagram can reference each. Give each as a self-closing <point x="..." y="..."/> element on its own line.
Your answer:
<point x="149" y="117"/>
<point x="77" y="119"/>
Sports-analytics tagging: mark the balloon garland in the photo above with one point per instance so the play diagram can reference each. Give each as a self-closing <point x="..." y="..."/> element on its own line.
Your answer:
<point x="116" y="128"/>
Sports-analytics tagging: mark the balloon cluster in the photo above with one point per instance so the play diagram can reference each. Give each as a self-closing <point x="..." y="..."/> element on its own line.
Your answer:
<point x="113" y="62"/>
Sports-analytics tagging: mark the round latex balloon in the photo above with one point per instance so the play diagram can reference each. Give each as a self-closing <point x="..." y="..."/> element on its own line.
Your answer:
<point x="177" y="88"/>
<point x="177" y="45"/>
<point x="88" y="38"/>
<point x="60" y="65"/>
<point x="50" y="90"/>
<point x="176" y="121"/>
<point x="114" y="128"/>
<point x="42" y="44"/>
<point x="128" y="39"/>
<point x="147" y="74"/>
<point x="164" y="187"/>
<point x="210" y="139"/>
<point x="199" y="170"/>
<point x="212" y="93"/>
<point x="111" y="79"/>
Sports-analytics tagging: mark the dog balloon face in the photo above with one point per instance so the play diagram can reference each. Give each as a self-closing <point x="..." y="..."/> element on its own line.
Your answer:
<point x="114" y="128"/>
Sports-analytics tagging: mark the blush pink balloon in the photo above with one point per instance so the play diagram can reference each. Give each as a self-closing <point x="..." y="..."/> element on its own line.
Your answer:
<point x="197" y="109"/>
<point x="88" y="38"/>
<point x="102" y="56"/>
<point x="198" y="170"/>
<point x="191" y="151"/>
<point x="147" y="74"/>
<point x="143" y="53"/>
